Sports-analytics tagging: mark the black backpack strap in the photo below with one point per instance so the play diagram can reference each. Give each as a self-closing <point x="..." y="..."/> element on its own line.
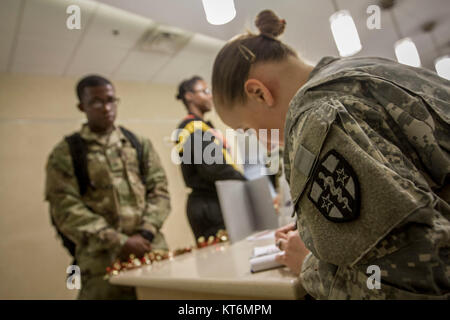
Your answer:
<point x="142" y="159"/>
<point x="78" y="152"/>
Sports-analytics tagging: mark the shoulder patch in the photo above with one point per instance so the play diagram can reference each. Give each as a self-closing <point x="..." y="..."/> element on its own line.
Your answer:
<point x="335" y="189"/>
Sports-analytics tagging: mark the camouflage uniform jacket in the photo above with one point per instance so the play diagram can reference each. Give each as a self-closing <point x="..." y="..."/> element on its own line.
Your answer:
<point x="115" y="206"/>
<point x="367" y="157"/>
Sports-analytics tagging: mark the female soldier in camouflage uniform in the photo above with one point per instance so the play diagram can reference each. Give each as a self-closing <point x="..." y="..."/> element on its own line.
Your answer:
<point x="367" y="144"/>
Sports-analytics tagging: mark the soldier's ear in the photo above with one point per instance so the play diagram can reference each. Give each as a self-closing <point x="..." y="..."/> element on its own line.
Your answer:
<point x="189" y="96"/>
<point x="258" y="92"/>
<point x="80" y="106"/>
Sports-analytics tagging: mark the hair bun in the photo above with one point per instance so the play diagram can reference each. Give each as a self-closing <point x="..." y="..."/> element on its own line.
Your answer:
<point x="270" y="24"/>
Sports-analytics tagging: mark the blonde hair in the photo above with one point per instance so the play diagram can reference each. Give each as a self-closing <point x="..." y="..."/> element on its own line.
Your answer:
<point x="233" y="62"/>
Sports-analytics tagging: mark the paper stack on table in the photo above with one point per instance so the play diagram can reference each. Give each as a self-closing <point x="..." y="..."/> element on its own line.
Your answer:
<point x="264" y="258"/>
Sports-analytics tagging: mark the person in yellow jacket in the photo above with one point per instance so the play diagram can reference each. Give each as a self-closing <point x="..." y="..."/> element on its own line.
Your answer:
<point x="195" y="138"/>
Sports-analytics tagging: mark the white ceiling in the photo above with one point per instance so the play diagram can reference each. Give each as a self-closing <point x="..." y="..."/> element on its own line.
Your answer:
<point x="35" y="38"/>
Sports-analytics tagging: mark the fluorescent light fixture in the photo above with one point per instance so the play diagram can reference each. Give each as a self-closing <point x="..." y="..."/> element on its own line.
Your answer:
<point x="345" y="33"/>
<point x="406" y="52"/>
<point x="219" y="11"/>
<point x="442" y="66"/>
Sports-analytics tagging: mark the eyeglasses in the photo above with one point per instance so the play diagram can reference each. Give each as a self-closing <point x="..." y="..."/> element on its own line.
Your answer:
<point x="98" y="103"/>
<point x="205" y="91"/>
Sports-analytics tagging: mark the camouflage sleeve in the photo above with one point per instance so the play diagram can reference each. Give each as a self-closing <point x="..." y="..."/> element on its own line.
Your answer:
<point x="158" y="198"/>
<point x="407" y="268"/>
<point x="401" y="227"/>
<point x="73" y="218"/>
<point x="316" y="277"/>
<point x="426" y="128"/>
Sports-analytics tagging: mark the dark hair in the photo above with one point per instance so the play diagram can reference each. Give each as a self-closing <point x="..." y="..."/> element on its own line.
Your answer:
<point x="186" y="86"/>
<point x="233" y="62"/>
<point x="91" y="81"/>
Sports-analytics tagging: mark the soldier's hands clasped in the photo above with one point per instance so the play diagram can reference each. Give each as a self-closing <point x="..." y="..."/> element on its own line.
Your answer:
<point x="137" y="245"/>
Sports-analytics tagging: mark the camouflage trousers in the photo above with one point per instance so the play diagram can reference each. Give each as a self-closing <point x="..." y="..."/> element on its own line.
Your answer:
<point x="96" y="288"/>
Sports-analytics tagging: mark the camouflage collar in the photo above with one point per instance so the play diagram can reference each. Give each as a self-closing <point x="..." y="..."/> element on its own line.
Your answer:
<point x="314" y="77"/>
<point x="322" y="63"/>
<point x="103" y="139"/>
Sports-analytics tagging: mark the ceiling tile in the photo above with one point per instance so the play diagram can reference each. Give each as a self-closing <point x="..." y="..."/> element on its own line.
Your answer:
<point x="308" y="29"/>
<point x="143" y="65"/>
<point x="96" y="49"/>
<point x="183" y="66"/>
<point x="47" y="18"/>
<point x="42" y="55"/>
<point x="441" y="35"/>
<point x="100" y="51"/>
<point x="200" y="51"/>
<point x="96" y="58"/>
<point x="130" y="27"/>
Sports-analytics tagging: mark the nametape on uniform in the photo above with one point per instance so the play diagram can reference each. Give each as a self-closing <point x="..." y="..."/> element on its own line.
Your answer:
<point x="304" y="160"/>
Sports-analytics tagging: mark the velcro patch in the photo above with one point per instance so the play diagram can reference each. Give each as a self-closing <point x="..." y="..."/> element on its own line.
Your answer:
<point x="335" y="189"/>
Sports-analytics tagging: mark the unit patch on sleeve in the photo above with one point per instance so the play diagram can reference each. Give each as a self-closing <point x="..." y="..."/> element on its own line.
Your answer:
<point x="335" y="189"/>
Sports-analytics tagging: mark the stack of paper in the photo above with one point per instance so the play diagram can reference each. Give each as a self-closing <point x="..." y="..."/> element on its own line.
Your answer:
<point x="264" y="258"/>
<point x="265" y="250"/>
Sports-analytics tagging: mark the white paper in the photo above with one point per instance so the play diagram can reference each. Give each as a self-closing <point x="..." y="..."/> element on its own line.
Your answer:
<point x="264" y="263"/>
<point x="265" y="250"/>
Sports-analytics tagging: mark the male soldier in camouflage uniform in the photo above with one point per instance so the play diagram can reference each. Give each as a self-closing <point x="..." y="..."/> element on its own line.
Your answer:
<point x="118" y="214"/>
<point x="367" y="156"/>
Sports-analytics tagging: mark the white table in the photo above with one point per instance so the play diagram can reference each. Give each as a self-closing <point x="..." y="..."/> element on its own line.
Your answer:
<point x="221" y="271"/>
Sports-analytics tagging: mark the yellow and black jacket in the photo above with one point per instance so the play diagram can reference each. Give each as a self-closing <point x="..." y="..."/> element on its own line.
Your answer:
<point x="200" y="174"/>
